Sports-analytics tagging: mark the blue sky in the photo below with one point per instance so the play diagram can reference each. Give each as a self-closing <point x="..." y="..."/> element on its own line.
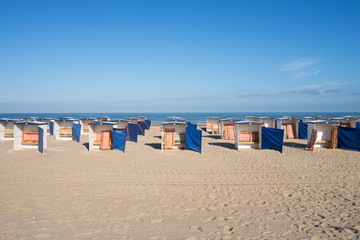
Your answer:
<point x="179" y="56"/>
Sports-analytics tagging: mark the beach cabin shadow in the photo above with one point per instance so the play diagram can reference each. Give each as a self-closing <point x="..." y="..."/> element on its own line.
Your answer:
<point x="86" y="145"/>
<point x="159" y="137"/>
<point x="156" y="146"/>
<point x="295" y="145"/>
<point x="224" y="145"/>
<point x="213" y="136"/>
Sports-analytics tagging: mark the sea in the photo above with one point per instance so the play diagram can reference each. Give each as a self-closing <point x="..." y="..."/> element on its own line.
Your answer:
<point x="190" y="116"/>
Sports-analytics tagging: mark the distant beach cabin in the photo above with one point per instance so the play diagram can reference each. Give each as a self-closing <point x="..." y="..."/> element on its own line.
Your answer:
<point x="227" y="128"/>
<point x="100" y="135"/>
<point x="322" y="118"/>
<point x="326" y="133"/>
<point x="347" y="121"/>
<point x="173" y="135"/>
<point x="85" y="124"/>
<point x="308" y="119"/>
<point x="7" y="128"/>
<point x="29" y="119"/>
<point x="267" y="122"/>
<point x="251" y="118"/>
<point x="248" y="135"/>
<point x="26" y="135"/>
<point x="47" y="121"/>
<point x="213" y="125"/>
<point x="290" y="127"/>
<point x="103" y="119"/>
<point x="175" y="119"/>
<point x="63" y="129"/>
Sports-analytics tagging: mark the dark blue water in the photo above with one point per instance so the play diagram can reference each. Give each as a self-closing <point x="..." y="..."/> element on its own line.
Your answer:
<point x="192" y="117"/>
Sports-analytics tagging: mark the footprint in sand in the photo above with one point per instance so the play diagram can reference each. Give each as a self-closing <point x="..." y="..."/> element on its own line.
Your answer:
<point x="195" y="229"/>
<point x="157" y="220"/>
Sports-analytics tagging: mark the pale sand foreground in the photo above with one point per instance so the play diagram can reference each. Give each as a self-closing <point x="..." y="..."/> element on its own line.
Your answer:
<point x="70" y="193"/>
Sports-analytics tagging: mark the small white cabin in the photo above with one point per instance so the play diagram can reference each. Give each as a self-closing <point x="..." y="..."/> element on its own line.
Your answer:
<point x="103" y="119"/>
<point x="63" y="129"/>
<point x="227" y="128"/>
<point x="26" y="135"/>
<point x="213" y="125"/>
<point x="248" y="135"/>
<point x="267" y="122"/>
<point x="47" y="121"/>
<point x="307" y="119"/>
<point x="252" y="118"/>
<point x="347" y="121"/>
<point x="325" y="132"/>
<point x="7" y="128"/>
<point x="29" y="119"/>
<point x="101" y="136"/>
<point x="290" y="127"/>
<point x="173" y="135"/>
<point x="85" y="124"/>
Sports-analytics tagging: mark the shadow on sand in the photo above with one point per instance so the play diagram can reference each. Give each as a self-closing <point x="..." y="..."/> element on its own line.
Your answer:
<point x="213" y="136"/>
<point x="154" y="145"/>
<point x="224" y="145"/>
<point x="159" y="137"/>
<point x="295" y="145"/>
<point x="86" y="145"/>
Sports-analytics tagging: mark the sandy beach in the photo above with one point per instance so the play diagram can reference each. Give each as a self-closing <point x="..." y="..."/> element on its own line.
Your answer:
<point x="71" y="193"/>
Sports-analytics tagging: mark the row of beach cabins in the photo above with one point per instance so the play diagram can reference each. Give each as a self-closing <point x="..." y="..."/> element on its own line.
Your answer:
<point x="318" y="131"/>
<point x="177" y="133"/>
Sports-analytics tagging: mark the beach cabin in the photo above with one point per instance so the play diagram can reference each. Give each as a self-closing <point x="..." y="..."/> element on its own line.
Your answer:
<point x="47" y="121"/>
<point x="100" y="135"/>
<point x="251" y="118"/>
<point x="65" y="118"/>
<point x="326" y="135"/>
<point x="248" y="135"/>
<point x="227" y="128"/>
<point x="307" y="119"/>
<point x="347" y="121"/>
<point x="175" y="119"/>
<point x="213" y="125"/>
<point x="84" y="122"/>
<point x="103" y="119"/>
<point x="290" y="127"/>
<point x="322" y="118"/>
<point x="26" y="135"/>
<point x="267" y="122"/>
<point x="7" y="128"/>
<point x="63" y="129"/>
<point x="29" y="119"/>
<point x="173" y="135"/>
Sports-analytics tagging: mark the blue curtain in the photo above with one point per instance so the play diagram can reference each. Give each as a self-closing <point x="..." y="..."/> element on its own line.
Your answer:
<point x="76" y="132"/>
<point x="275" y="123"/>
<point x="51" y="128"/>
<point x="133" y="132"/>
<point x="357" y="124"/>
<point x="41" y="139"/>
<point x="119" y="139"/>
<point x="192" y="125"/>
<point x="272" y="139"/>
<point x="142" y="126"/>
<point x="193" y="139"/>
<point x="303" y="130"/>
<point x="349" y="138"/>
<point x="148" y="124"/>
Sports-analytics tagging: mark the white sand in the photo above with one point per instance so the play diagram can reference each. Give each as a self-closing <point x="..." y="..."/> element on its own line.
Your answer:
<point x="71" y="193"/>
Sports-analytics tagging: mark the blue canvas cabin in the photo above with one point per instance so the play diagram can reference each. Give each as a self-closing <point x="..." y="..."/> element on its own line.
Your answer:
<point x="325" y="133"/>
<point x="347" y="121"/>
<point x="289" y="125"/>
<point x="141" y="125"/>
<point x="48" y="121"/>
<point x="30" y="135"/>
<point x="213" y="125"/>
<point x="85" y="124"/>
<point x="100" y="135"/>
<point x="227" y="128"/>
<point x="7" y="128"/>
<point x="267" y="122"/>
<point x="63" y="128"/>
<point x="29" y="119"/>
<point x="146" y="121"/>
<point x="248" y="135"/>
<point x="252" y="118"/>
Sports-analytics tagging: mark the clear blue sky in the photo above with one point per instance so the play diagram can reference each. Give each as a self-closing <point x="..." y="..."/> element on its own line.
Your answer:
<point x="179" y="56"/>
